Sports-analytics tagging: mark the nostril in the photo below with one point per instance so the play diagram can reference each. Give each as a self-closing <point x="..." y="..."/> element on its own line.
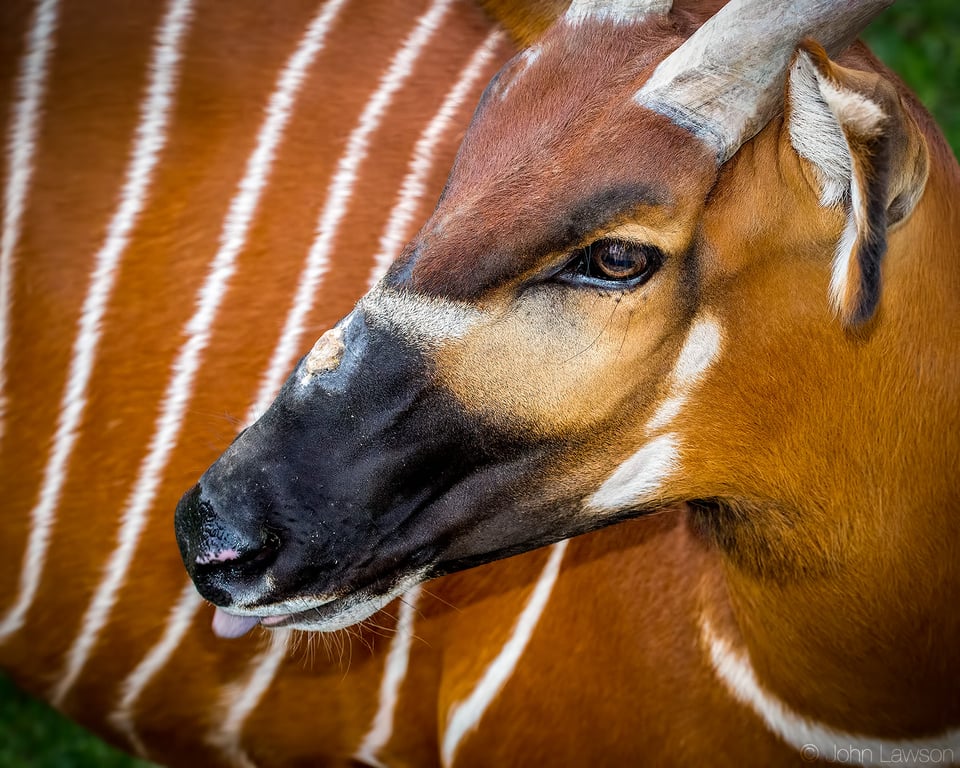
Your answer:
<point x="217" y="556"/>
<point x="248" y="558"/>
<point x="226" y="553"/>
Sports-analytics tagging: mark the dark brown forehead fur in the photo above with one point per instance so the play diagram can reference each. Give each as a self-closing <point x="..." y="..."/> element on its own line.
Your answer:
<point x="557" y="150"/>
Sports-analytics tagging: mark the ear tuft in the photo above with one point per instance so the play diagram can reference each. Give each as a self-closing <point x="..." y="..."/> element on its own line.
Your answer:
<point x="868" y="156"/>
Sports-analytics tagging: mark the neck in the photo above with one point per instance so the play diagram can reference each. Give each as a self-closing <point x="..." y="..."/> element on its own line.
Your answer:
<point x="811" y="738"/>
<point x="845" y="603"/>
<point x="866" y="646"/>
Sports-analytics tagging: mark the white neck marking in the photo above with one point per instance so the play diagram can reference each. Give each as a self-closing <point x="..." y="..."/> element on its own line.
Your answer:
<point x="816" y="741"/>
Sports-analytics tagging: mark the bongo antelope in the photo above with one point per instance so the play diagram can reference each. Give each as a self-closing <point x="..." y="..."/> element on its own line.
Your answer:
<point x="650" y="290"/>
<point x="695" y="268"/>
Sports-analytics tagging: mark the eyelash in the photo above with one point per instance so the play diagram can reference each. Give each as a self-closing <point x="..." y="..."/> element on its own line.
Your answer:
<point x="612" y="263"/>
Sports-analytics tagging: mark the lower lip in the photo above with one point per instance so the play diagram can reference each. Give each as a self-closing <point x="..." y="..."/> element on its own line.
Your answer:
<point x="272" y="621"/>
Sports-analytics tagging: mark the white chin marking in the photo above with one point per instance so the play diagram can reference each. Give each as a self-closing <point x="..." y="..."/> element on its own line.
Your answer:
<point x="814" y="740"/>
<point x="350" y="615"/>
<point x="639" y="478"/>
<point x="359" y="607"/>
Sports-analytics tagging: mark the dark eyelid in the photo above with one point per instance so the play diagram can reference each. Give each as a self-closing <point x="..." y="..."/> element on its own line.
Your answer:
<point x="602" y="211"/>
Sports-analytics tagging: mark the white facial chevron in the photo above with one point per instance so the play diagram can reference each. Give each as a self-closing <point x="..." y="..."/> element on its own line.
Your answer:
<point x="640" y="477"/>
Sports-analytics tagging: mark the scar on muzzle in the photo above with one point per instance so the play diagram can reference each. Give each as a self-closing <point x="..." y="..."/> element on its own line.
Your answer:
<point x="326" y="353"/>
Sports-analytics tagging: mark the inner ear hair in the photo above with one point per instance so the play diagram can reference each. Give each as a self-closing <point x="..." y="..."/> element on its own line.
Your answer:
<point x="868" y="156"/>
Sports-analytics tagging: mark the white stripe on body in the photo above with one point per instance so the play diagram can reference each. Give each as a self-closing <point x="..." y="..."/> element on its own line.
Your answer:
<point x="178" y="622"/>
<point x="465" y="716"/>
<point x="338" y="196"/>
<point x="21" y="146"/>
<point x="394" y="673"/>
<point x="238" y="700"/>
<point x="812" y="739"/>
<point x="397" y="231"/>
<point x="150" y="139"/>
<point x="239" y="217"/>
<point x="278" y="111"/>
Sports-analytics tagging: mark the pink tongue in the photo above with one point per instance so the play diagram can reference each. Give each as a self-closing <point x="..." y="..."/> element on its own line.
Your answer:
<point x="227" y="625"/>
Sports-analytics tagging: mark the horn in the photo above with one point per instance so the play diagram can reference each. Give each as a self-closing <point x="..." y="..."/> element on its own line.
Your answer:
<point x="617" y="10"/>
<point x="726" y="81"/>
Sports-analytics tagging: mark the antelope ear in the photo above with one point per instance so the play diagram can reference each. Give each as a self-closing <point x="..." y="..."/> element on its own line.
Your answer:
<point x="869" y="157"/>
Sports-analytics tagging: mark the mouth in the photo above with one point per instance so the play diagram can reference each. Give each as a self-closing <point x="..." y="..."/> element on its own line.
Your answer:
<point x="326" y="616"/>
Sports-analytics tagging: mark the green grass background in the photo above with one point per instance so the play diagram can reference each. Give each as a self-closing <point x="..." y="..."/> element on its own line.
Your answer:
<point x="920" y="40"/>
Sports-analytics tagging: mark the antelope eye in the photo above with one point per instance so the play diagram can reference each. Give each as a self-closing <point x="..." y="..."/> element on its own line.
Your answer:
<point x="614" y="261"/>
<point x="617" y="260"/>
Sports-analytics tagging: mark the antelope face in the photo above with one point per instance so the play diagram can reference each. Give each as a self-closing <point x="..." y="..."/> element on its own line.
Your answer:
<point x="562" y="346"/>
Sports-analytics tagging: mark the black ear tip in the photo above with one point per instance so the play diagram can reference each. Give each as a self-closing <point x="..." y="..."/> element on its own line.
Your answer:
<point x="864" y="312"/>
<point x="864" y="305"/>
<point x="871" y="263"/>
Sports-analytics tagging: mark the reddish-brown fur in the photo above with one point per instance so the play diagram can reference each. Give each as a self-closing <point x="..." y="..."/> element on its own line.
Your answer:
<point x="614" y="673"/>
<point x="815" y="517"/>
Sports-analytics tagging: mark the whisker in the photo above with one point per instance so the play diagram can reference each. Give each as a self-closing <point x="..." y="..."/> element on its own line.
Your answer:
<point x="596" y="338"/>
<point x="435" y="596"/>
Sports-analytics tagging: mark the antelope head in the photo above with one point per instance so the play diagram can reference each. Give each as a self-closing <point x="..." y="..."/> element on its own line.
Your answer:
<point x="653" y="278"/>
